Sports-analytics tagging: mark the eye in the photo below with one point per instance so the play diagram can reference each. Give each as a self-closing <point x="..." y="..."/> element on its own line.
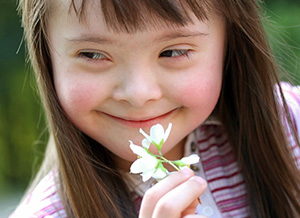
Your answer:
<point x="92" y="55"/>
<point x="174" y="53"/>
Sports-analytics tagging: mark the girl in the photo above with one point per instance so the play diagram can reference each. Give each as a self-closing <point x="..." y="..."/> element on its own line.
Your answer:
<point x="107" y="68"/>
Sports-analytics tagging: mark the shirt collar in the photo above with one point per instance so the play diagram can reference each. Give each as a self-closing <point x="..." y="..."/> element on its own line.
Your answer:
<point x="212" y="120"/>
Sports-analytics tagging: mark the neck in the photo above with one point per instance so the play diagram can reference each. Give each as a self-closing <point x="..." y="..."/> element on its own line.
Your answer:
<point x="175" y="154"/>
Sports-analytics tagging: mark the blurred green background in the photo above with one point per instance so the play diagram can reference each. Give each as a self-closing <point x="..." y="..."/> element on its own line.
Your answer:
<point x="22" y="128"/>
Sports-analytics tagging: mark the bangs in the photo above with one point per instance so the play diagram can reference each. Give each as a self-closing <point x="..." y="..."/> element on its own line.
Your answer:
<point x="136" y="15"/>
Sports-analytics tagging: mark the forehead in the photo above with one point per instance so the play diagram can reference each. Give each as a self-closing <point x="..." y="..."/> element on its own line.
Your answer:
<point x="132" y="15"/>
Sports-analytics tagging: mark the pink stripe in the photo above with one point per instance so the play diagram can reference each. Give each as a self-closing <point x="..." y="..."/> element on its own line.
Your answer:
<point x="216" y="153"/>
<point x="49" y="210"/>
<point x="219" y="145"/>
<point x="293" y="94"/>
<point x="223" y="177"/>
<point x="218" y="156"/>
<point x="235" y="207"/>
<point x="216" y="147"/>
<point x="293" y="119"/>
<point x="239" y="213"/>
<point x="295" y="146"/>
<point x="227" y="187"/>
<point x="49" y="177"/>
<point x="225" y="195"/>
<point x="48" y="188"/>
<point x="220" y="170"/>
<point x="215" y="165"/>
<point x="232" y="200"/>
<point x="29" y="198"/>
<point x="216" y="135"/>
<point x="49" y="196"/>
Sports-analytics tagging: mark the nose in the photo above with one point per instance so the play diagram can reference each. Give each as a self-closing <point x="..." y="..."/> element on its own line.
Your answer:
<point x="137" y="87"/>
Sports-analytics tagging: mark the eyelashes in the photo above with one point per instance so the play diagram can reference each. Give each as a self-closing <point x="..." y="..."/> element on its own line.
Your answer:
<point x="175" y="53"/>
<point x="92" y="55"/>
<point x="172" y="53"/>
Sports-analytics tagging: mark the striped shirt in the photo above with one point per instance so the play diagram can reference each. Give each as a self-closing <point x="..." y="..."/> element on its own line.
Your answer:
<point x="226" y="195"/>
<point x="43" y="202"/>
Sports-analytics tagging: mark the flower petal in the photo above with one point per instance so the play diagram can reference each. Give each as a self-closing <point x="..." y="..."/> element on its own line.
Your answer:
<point x="145" y="134"/>
<point x="147" y="174"/>
<point x="157" y="133"/>
<point x="137" y="149"/>
<point x="149" y="161"/>
<point x="137" y="166"/>
<point x="146" y="143"/>
<point x="192" y="159"/>
<point x="159" y="174"/>
<point x="167" y="133"/>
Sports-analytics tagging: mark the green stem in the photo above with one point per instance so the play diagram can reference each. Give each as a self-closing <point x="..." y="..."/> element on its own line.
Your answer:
<point x="169" y="162"/>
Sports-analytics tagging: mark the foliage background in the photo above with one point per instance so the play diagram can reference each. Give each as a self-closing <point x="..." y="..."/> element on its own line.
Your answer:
<point x="23" y="133"/>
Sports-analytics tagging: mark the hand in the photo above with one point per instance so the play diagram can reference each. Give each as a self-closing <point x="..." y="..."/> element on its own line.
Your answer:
<point x="175" y="196"/>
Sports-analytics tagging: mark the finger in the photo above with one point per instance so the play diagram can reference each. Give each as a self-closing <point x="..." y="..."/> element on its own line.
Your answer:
<point x="152" y="196"/>
<point x="179" y="199"/>
<point x="190" y="209"/>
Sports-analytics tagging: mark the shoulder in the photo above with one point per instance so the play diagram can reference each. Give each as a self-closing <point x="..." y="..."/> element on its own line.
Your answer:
<point x="42" y="202"/>
<point x="292" y="97"/>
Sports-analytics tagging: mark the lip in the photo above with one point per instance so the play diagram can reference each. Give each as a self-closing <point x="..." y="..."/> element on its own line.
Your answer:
<point x="141" y="123"/>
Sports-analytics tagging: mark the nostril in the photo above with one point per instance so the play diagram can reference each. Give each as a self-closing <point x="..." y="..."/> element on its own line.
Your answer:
<point x="137" y="94"/>
<point x="138" y="85"/>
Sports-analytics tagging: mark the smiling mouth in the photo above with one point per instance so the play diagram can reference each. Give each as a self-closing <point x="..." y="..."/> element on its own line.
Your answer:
<point x="141" y="123"/>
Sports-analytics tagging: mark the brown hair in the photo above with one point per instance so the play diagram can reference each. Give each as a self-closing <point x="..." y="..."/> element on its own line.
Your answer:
<point x="90" y="186"/>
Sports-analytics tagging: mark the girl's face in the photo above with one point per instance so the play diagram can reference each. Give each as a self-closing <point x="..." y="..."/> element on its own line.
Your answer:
<point x="111" y="84"/>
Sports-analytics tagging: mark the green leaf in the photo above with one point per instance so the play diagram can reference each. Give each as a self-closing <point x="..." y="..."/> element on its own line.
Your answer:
<point x="161" y="166"/>
<point x="156" y="145"/>
<point x="179" y="163"/>
<point x="160" y="145"/>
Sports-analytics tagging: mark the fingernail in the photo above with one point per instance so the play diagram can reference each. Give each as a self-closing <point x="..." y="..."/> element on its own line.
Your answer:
<point x="186" y="171"/>
<point x="200" y="180"/>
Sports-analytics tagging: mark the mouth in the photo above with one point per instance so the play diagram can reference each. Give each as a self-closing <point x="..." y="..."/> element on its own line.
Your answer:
<point x="144" y="122"/>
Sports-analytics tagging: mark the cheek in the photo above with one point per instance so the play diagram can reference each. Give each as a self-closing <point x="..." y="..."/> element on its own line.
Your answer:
<point x="200" y="92"/>
<point x="76" y="95"/>
<point x="200" y="96"/>
<point x="199" y="86"/>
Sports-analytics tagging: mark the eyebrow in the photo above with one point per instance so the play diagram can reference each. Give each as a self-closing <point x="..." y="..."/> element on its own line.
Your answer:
<point x="179" y="34"/>
<point x="91" y="38"/>
<point x="163" y="37"/>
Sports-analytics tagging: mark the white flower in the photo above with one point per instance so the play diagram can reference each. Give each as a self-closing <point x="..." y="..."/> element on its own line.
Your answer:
<point x="145" y="164"/>
<point x="160" y="174"/>
<point x="157" y="136"/>
<point x="151" y="165"/>
<point x="187" y="161"/>
<point x="192" y="159"/>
